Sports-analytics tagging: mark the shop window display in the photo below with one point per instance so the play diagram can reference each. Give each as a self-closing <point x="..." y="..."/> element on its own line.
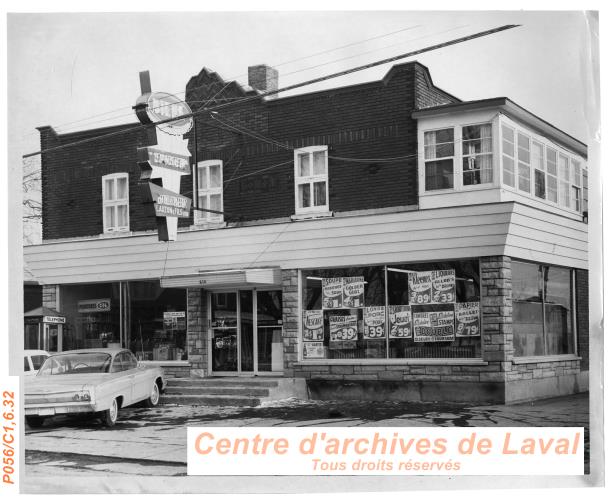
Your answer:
<point x="424" y="310"/>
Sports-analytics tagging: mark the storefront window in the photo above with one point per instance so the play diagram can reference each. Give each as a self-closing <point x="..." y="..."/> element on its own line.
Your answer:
<point x="139" y="315"/>
<point x="542" y="310"/>
<point x="427" y="310"/>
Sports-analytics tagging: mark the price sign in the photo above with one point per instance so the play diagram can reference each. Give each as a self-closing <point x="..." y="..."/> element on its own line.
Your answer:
<point x="467" y="319"/>
<point x="313" y="325"/>
<point x="353" y="291"/>
<point x="374" y="322"/>
<point x="443" y="286"/>
<point x="400" y="322"/>
<point x="436" y="326"/>
<point x="419" y="288"/>
<point x="343" y="328"/>
<point x="332" y="289"/>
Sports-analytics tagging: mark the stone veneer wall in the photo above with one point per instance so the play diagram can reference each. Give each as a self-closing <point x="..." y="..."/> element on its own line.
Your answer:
<point x="197" y="331"/>
<point x="291" y="320"/>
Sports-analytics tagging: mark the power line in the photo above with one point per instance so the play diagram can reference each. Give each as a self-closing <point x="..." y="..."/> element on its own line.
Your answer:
<point x="290" y="87"/>
<point x="230" y="80"/>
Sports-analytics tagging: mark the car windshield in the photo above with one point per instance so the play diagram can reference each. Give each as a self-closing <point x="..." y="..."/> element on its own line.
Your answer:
<point x="85" y="362"/>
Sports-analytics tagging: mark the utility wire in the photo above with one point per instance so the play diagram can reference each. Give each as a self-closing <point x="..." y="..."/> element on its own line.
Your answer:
<point x="290" y="87"/>
<point x="230" y="80"/>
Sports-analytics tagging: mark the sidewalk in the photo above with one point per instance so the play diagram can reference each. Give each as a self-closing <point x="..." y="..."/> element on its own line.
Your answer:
<point x="159" y="434"/>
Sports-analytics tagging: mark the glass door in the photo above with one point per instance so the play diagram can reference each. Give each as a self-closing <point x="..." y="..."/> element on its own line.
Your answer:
<point x="224" y="332"/>
<point x="269" y="341"/>
<point x="246" y="329"/>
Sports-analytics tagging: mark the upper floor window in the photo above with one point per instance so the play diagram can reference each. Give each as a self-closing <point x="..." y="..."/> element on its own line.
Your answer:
<point x="544" y="170"/>
<point x="209" y="192"/>
<point x="524" y="163"/>
<point x="311" y="179"/>
<point x="115" y="195"/>
<point x="509" y="155"/>
<point x="439" y="156"/>
<point x="477" y="146"/>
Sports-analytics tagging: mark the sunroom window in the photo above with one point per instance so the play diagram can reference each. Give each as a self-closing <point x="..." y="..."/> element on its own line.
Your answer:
<point x="552" y="179"/>
<point x="524" y="163"/>
<point x="439" y="156"/>
<point x="477" y="154"/>
<point x="509" y="155"/>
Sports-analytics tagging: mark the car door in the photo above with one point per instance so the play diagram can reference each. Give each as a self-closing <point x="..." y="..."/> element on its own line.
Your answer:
<point x="143" y="381"/>
<point x="122" y="382"/>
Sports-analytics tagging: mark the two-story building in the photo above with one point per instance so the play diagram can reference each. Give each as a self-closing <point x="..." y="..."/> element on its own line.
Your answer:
<point x="383" y="240"/>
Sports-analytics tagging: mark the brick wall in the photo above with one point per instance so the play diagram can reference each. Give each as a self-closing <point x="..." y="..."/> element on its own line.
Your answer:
<point x="581" y="299"/>
<point x="197" y="331"/>
<point x="367" y="121"/>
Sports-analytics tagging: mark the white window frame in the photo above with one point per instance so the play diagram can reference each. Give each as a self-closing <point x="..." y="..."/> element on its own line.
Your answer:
<point x="564" y="180"/>
<point x="522" y="162"/>
<point x="463" y="154"/>
<point x="534" y="169"/>
<point x="550" y="175"/>
<point x="116" y="202"/>
<point x="512" y="157"/>
<point x="200" y="217"/>
<point x="311" y="180"/>
<point x="576" y="185"/>
<point x="455" y="130"/>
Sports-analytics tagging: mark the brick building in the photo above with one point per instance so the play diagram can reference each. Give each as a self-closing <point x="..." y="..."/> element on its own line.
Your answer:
<point x="381" y="240"/>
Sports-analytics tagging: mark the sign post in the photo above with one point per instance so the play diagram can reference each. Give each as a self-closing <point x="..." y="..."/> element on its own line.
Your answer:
<point x="166" y="159"/>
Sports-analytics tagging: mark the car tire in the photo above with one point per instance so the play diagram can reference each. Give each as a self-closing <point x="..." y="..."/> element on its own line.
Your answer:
<point x="110" y="416"/>
<point x="153" y="399"/>
<point x="35" y="422"/>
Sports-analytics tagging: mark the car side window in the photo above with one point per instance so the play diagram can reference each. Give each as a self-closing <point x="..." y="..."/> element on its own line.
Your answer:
<point x="118" y="365"/>
<point x="131" y="361"/>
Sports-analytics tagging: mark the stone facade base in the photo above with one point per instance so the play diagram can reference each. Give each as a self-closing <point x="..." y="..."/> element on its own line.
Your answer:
<point x="550" y="387"/>
<point x="387" y="390"/>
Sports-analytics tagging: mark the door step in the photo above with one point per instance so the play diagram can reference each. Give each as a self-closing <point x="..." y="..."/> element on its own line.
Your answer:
<point x="229" y="391"/>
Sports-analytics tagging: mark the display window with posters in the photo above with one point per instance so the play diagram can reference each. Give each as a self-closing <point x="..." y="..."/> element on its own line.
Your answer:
<point x="396" y="311"/>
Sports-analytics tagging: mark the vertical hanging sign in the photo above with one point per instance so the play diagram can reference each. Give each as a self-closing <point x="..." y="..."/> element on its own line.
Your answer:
<point x="166" y="159"/>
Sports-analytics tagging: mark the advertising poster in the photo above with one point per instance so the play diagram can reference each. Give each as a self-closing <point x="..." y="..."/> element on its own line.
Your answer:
<point x="313" y="350"/>
<point x="467" y="319"/>
<point x="400" y="322"/>
<point x="436" y="326"/>
<point x="313" y="325"/>
<point x="343" y="331"/>
<point x="443" y="286"/>
<point x="374" y="322"/>
<point x="419" y="288"/>
<point x="353" y="291"/>
<point x="332" y="291"/>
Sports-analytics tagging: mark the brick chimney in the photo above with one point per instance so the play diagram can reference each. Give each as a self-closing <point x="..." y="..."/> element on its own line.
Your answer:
<point x="263" y="78"/>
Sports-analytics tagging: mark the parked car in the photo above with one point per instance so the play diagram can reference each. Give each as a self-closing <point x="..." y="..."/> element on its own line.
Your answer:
<point x="32" y="361"/>
<point x="96" y="381"/>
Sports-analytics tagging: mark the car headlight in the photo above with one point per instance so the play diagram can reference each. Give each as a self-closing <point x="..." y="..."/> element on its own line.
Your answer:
<point x="82" y="396"/>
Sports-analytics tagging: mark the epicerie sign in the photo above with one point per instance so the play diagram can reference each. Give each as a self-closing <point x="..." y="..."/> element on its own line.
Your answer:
<point x="95" y="305"/>
<point x="162" y="106"/>
<point x="380" y="451"/>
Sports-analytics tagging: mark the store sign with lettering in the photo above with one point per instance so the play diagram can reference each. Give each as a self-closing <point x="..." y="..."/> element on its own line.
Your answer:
<point x="313" y="325"/>
<point x="332" y="290"/>
<point x="156" y="107"/>
<point x="400" y="322"/>
<point x="92" y="306"/>
<point x="53" y="319"/>
<point x="353" y="291"/>
<point x="153" y="157"/>
<point x="431" y="287"/>
<point x="438" y="326"/>
<point x="168" y="204"/>
<point x="467" y="319"/>
<point x="343" y="328"/>
<point x="313" y="350"/>
<point x="374" y="322"/>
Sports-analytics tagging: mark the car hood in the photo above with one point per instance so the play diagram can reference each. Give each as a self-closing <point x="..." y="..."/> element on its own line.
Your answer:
<point x="61" y="383"/>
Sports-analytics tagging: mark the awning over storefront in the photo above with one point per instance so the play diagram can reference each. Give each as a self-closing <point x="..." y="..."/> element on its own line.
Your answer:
<point x="230" y="278"/>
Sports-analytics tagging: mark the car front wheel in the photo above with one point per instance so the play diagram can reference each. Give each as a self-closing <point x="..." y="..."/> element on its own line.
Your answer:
<point x="110" y="416"/>
<point x="155" y="394"/>
<point x="34" y="422"/>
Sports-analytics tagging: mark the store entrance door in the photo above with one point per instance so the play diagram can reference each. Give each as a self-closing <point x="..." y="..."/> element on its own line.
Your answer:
<point x="245" y="334"/>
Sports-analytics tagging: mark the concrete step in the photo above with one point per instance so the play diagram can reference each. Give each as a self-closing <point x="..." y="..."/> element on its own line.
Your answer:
<point x="220" y="390"/>
<point x="209" y="400"/>
<point x="221" y="382"/>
